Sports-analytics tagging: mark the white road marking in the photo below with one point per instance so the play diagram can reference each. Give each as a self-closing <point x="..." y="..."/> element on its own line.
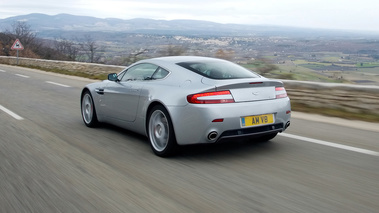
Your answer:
<point x="58" y="84"/>
<point x="335" y="145"/>
<point x="14" y="115"/>
<point x="24" y="76"/>
<point x="2" y="71"/>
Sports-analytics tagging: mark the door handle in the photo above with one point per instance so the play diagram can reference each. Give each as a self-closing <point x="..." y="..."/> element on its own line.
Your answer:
<point x="99" y="91"/>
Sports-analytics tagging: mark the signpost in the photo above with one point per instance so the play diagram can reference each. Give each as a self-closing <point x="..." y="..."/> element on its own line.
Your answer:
<point x="17" y="46"/>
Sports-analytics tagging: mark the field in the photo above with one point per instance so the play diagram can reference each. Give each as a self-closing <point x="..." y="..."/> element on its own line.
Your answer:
<point x="325" y="67"/>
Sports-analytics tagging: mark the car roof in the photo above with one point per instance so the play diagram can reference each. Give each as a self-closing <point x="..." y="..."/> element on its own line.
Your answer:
<point x="178" y="59"/>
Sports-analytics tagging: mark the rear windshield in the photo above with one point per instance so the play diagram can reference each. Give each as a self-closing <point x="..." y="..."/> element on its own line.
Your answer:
<point x="218" y="69"/>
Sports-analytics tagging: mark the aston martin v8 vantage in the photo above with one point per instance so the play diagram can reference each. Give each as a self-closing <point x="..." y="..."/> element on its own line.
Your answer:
<point x="184" y="100"/>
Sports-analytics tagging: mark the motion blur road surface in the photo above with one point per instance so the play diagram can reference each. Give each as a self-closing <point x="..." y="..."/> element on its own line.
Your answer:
<point x="51" y="162"/>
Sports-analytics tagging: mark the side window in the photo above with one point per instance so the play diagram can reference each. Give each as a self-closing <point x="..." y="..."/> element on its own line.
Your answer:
<point x="140" y="72"/>
<point x="160" y="73"/>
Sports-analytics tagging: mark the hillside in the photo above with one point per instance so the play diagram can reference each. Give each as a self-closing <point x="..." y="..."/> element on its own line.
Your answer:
<point x="53" y="26"/>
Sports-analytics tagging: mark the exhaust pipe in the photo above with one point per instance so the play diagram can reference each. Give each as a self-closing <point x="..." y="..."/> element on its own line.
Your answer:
<point x="212" y="135"/>
<point x="287" y="124"/>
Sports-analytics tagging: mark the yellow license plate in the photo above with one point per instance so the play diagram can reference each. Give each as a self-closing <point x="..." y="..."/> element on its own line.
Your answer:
<point x="257" y="120"/>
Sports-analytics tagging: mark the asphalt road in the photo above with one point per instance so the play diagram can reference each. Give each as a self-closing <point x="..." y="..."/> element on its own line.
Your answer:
<point x="51" y="162"/>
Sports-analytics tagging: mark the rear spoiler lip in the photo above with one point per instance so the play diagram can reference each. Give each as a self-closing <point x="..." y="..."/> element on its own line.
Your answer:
<point x="249" y="85"/>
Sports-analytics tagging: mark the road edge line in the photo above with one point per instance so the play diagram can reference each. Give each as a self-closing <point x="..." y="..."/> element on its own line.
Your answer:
<point x="331" y="144"/>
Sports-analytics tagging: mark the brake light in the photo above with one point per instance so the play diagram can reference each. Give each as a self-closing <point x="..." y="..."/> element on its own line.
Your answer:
<point x="280" y="92"/>
<point x="218" y="120"/>
<point x="211" y="98"/>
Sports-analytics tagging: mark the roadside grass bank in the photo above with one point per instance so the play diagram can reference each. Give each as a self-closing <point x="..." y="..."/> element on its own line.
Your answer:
<point x="339" y="113"/>
<point x="67" y="72"/>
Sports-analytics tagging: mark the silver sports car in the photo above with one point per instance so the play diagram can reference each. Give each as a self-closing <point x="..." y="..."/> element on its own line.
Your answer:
<point x="184" y="100"/>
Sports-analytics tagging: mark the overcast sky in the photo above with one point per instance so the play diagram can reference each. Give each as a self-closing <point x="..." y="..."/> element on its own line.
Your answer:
<point x="328" y="14"/>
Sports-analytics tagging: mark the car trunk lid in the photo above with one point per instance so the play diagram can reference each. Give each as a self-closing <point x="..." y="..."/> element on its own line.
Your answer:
<point x="244" y="90"/>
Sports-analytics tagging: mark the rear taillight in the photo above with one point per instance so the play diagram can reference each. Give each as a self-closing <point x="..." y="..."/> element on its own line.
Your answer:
<point x="280" y="92"/>
<point x="211" y="98"/>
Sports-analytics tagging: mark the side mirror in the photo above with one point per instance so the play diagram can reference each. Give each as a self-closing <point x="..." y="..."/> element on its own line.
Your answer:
<point x="113" y="77"/>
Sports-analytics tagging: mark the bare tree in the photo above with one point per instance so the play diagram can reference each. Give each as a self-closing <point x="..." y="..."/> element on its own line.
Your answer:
<point x="5" y="44"/>
<point x="91" y="49"/>
<point x="23" y="32"/>
<point x="33" y="47"/>
<point x="133" y="57"/>
<point x="68" y="48"/>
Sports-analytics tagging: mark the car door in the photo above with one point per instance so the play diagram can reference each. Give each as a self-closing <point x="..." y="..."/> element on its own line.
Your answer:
<point x="121" y="98"/>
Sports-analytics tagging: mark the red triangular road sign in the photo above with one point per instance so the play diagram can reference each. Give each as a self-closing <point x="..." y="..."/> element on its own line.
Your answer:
<point x="17" y="45"/>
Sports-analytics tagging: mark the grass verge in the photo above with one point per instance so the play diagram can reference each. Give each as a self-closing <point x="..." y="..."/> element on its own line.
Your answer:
<point x="335" y="112"/>
<point x="66" y="72"/>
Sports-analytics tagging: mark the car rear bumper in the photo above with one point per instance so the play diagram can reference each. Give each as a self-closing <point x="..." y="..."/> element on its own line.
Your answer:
<point x="194" y="123"/>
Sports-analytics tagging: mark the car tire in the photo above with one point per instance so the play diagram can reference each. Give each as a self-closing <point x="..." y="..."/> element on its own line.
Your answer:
<point x="161" y="132"/>
<point x="88" y="110"/>
<point x="266" y="138"/>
